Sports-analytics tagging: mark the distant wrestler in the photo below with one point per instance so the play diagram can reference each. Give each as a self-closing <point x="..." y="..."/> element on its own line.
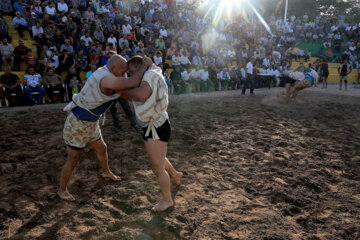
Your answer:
<point x="150" y="101"/>
<point x="82" y="124"/>
<point x="302" y="80"/>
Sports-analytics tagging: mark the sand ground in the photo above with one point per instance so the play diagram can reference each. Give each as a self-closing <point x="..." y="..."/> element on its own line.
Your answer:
<point x="253" y="168"/>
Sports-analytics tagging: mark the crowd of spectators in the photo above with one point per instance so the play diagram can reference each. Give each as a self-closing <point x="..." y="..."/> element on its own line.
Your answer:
<point x="74" y="36"/>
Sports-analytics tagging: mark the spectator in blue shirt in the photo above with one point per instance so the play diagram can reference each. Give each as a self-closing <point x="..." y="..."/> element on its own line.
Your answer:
<point x="20" y="24"/>
<point x="18" y="6"/>
<point x="82" y="46"/>
<point x="6" y="8"/>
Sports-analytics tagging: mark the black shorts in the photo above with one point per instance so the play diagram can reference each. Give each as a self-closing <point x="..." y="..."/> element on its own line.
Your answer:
<point x="326" y="74"/>
<point x="343" y="74"/>
<point x="164" y="132"/>
<point x="290" y="80"/>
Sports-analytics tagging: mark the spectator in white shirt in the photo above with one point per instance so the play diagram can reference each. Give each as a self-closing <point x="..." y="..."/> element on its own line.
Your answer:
<point x="176" y="60"/>
<point x="50" y="10"/>
<point x="88" y="40"/>
<point x="204" y="77"/>
<point x="249" y="76"/>
<point x="163" y="32"/>
<point x="266" y="62"/>
<point x="37" y="29"/>
<point x="197" y="59"/>
<point x="112" y="39"/>
<point x="158" y="59"/>
<point x="184" y="61"/>
<point x="126" y="28"/>
<point x="185" y="75"/>
<point x="195" y="79"/>
<point x="62" y="6"/>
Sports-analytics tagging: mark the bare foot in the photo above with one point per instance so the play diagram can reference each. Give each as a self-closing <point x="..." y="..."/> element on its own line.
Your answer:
<point x="178" y="177"/>
<point x="162" y="205"/>
<point x="66" y="196"/>
<point x="111" y="176"/>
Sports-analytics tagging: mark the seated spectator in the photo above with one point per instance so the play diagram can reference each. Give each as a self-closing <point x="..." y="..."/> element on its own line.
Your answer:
<point x="62" y="7"/>
<point x="20" y="54"/>
<point x="81" y="61"/>
<point x="112" y="39"/>
<point x="18" y="6"/>
<point x="107" y="56"/>
<point x="35" y="7"/>
<point x="4" y="27"/>
<point x="20" y="24"/>
<point x="94" y="59"/>
<point x="33" y="83"/>
<point x="111" y="47"/>
<point x="51" y="11"/>
<point x="159" y="43"/>
<point x="82" y="47"/>
<point x="204" y="77"/>
<point x="184" y="62"/>
<point x="224" y="79"/>
<point x="96" y="47"/>
<point x="170" y="52"/>
<point x="66" y="61"/>
<point x="89" y="14"/>
<point x="58" y="39"/>
<point x="54" y="82"/>
<point x="195" y="79"/>
<point x="11" y="83"/>
<point x="73" y="83"/>
<point x="37" y="30"/>
<point x="329" y="55"/>
<point x="51" y="59"/>
<point x="176" y="60"/>
<point x="67" y="46"/>
<point x="7" y="52"/>
<point x="158" y="59"/>
<point x="92" y="70"/>
<point x="320" y="53"/>
<point x="49" y="31"/>
<point x="99" y="35"/>
<point x="6" y="8"/>
<point x="176" y="80"/>
<point x="88" y="40"/>
<point x="197" y="59"/>
<point x="33" y="61"/>
<point x="71" y="26"/>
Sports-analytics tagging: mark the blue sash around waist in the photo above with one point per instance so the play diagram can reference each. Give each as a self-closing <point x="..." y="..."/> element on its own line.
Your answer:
<point x="91" y="115"/>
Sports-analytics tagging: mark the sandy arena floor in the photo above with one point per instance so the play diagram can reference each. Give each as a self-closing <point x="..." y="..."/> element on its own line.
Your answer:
<point x="254" y="169"/>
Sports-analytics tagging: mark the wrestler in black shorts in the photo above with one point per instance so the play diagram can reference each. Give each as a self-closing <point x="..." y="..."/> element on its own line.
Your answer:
<point x="164" y="132"/>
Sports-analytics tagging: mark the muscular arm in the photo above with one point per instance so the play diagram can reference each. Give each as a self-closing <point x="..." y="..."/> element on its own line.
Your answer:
<point x="139" y="94"/>
<point x="122" y="83"/>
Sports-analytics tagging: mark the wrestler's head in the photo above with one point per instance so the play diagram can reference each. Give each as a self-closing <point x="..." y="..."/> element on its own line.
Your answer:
<point x="117" y="65"/>
<point x="134" y="64"/>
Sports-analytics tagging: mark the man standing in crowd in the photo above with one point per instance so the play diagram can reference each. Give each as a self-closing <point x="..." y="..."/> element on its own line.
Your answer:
<point x="82" y="124"/>
<point x="249" y="77"/>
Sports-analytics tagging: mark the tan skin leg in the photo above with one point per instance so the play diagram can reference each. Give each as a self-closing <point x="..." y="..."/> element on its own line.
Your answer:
<point x="102" y="155"/>
<point x="161" y="167"/>
<point x="341" y="80"/>
<point x="72" y="160"/>
<point x="324" y="82"/>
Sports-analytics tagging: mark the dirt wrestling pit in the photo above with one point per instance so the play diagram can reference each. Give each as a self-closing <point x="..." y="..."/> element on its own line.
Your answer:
<point x="253" y="169"/>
